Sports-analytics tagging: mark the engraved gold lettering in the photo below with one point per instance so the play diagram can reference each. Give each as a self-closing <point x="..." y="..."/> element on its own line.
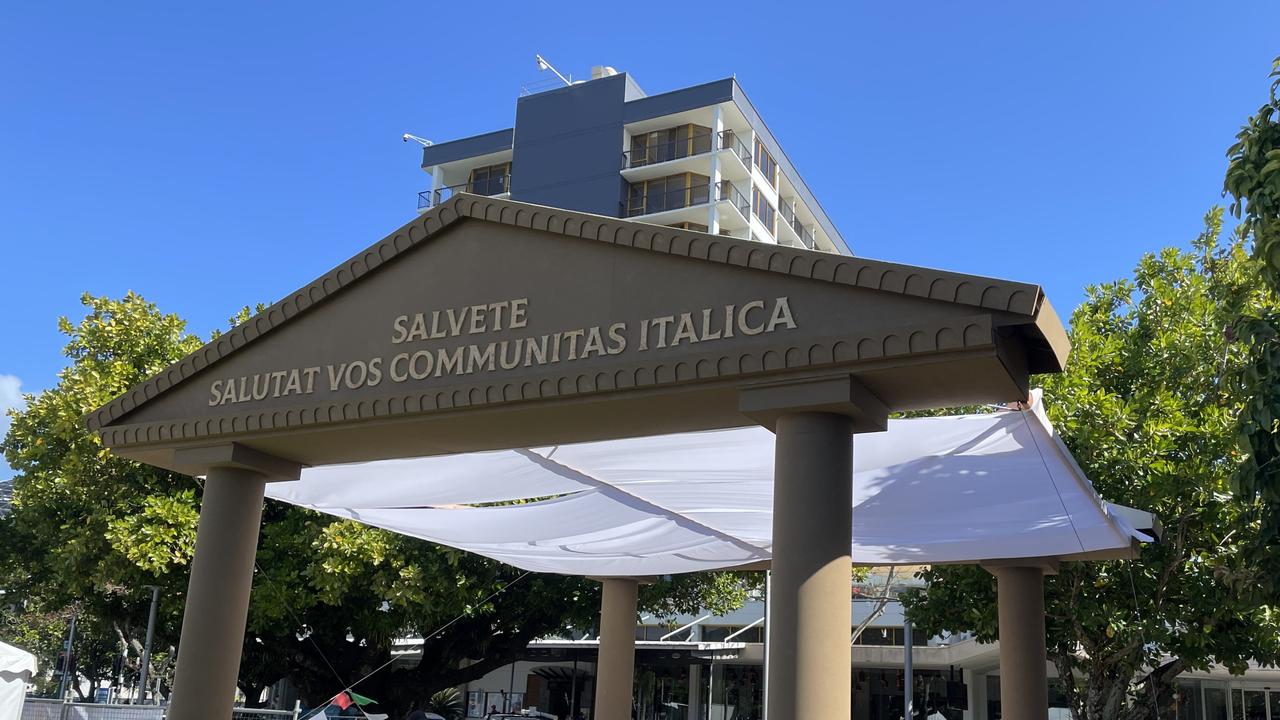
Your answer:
<point x="397" y="375"/>
<point x="594" y="344"/>
<point x="512" y="362"/>
<point x="261" y="394"/>
<point x="684" y="330"/>
<point x="399" y="331"/>
<point x="742" y="318"/>
<point x="617" y="338"/>
<point x="423" y="359"/>
<point x="497" y="309"/>
<point x="418" y="331"/>
<point x="781" y="315"/>
<point x="480" y="358"/>
<point x="294" y="384"/>
<point x="356" y="374"/>
<point x="228" y="392"/>
<point x="706" y="326"/>
<point x="455" y="321"/>
<point x="449" y="361"/>
<point x="536" y="352"/>
<point x="573" y="336"/>
<point x="661" y="323"/>
<point x="478" y="319"/>
<point x="311" y="374"/>
<point x="518" y="309"/>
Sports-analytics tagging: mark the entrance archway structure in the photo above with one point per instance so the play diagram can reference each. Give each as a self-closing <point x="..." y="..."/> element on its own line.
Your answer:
<point x="490" y="324"/>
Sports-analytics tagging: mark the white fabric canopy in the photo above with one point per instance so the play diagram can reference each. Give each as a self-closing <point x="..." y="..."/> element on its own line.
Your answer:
<point x="962" y="488"/>
<point x="16" y="668"/>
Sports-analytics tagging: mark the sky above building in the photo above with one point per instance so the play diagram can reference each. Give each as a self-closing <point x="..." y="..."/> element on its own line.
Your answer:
<point x="216" y="156"/>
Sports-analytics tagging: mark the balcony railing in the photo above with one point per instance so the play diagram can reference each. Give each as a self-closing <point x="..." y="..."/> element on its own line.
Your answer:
<point x="806" y="237"/>
<point x="489" y="186"/>
<point x="729" y="140"/>
<point x="789" y="217"/>
<point x="688" y="147"/>
<point x="650" y="203"/>
<point x="680" y="198"/>
<point x="728" y="192"/>
<point x="663" y="152"/>
<point x="784" y="209"/>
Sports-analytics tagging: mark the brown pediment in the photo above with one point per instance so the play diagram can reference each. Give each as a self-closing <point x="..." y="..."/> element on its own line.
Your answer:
<point x="489" y="323"/>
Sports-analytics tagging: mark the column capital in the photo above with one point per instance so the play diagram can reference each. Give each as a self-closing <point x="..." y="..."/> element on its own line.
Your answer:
<point x="200" y="460"/>
<point x="838" y="394"/>
<point x="637" y="579"/>
<point x="1046" y="565"/>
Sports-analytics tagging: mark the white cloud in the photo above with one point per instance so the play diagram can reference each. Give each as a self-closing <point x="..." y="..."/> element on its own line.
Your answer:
<point x="10" y="398"/>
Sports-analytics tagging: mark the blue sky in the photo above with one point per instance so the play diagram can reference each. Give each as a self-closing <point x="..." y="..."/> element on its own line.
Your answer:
<point x="216" y="155"/>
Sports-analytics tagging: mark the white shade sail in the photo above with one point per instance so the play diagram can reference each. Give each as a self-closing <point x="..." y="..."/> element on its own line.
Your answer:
<point x="963" y="488"/>
<point x="17" y="667"/>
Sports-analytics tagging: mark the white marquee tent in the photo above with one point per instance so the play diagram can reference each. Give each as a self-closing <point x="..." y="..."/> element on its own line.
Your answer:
<point x="929" y="490"/>
<point x="16" y="669"/>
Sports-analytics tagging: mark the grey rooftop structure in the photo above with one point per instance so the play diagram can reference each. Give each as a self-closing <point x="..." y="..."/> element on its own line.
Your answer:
<point x="699" y="158"/>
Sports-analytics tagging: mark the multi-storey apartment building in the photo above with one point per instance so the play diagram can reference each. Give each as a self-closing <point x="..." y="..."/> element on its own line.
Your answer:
<point x="699" y="158"/>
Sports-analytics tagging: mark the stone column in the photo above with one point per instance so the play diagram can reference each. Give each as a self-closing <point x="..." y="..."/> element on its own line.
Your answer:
<point x="218" y="595"/>
<point x="713" y="210"/>
<point x="813" y="419"/>
<point x="808" y="634"/>
<point x="615" y="668"/>
<point x="1024" y="693"/>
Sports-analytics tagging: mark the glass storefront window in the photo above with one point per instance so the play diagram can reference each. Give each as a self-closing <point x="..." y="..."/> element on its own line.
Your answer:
<point x="1059" y="708"/>
<point x="1215" y="703"/>
<point x="661" y="692"/>
<point x="733" y="692"/>
<point x="1250" y="704"/>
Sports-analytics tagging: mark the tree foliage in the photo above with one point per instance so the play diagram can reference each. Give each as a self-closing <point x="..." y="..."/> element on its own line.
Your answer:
<point x="89" y="531"/>
<point x="1148" y="407"/>
<point x="1253" y="181"/>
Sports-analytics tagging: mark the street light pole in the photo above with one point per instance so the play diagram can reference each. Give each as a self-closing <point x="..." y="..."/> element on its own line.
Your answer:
<point x="66" y="660"/>
<point x="146" y="649"/>
<point x="909" y="685"/>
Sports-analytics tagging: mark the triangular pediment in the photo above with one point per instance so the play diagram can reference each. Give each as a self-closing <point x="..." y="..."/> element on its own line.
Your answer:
<point x="485" y="304"/>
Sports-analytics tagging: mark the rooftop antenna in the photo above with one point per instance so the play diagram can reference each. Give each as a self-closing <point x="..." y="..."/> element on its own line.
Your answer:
<point x="421" y="141"/>
<point x="544" y="65"/>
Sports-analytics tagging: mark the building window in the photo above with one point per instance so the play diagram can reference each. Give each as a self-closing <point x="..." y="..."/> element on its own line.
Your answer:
<point x="768" y="166"/>
<point x="490" y="180"/>
<point x="670" y="144"/>
<point x="668" y="193"/>
<point x="721" y="633"/>
<point x="696" y="227"/>
<point x="652" y="633"/>
<point x="763" y="210"/>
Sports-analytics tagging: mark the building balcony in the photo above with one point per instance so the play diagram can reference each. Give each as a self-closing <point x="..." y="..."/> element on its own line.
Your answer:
<point x="499" y="187"/>
<point x="691" y="205"/>
<point x="690" y="155"/>
<point x="791" y="231"/>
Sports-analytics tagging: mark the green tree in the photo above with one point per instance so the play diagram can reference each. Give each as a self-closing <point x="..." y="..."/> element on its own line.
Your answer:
<point x="1148" y="406"/>
<point x="89" y="531"/>
<point x="1253" y="181"/>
